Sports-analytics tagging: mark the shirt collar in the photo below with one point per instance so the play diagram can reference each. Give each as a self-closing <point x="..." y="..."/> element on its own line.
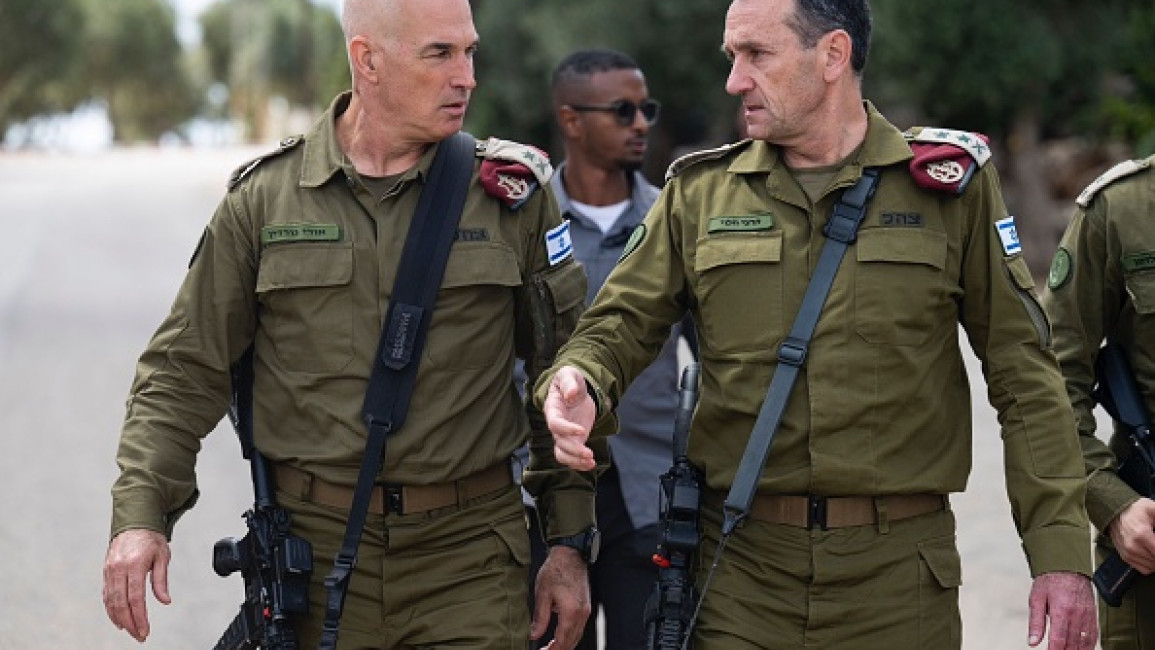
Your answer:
<point x="324" y="157"/>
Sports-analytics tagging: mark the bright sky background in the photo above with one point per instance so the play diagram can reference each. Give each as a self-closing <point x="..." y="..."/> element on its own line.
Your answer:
<point x="188" y="10"/>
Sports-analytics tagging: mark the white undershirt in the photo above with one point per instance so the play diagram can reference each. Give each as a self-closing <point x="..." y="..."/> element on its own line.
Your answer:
<point x="605" y="216"/>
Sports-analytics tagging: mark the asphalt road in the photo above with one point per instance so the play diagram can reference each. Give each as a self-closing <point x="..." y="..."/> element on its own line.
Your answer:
<point x="92" y="250"/>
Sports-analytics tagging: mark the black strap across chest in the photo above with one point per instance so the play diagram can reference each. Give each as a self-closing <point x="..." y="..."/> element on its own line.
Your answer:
<point x="394" y="374"/>
<point x="841" y="231"/>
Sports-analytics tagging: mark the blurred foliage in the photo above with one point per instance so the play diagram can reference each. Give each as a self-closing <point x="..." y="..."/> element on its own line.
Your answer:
<point x="1070" y="67"/>
<point x="39" y="43"/>
<point x="57" y="55"/>
<point x="134" y="62"/>
<point x="263" y="48"/>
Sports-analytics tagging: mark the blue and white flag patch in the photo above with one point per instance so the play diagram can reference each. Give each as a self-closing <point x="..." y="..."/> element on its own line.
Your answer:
<point x="1009" y="236"/>
<point x="558" y="244"/>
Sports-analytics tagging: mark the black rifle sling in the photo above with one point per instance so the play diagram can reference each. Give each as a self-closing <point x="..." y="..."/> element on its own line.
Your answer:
<point x="419" y="277"/>
<point x="841" y="231"/>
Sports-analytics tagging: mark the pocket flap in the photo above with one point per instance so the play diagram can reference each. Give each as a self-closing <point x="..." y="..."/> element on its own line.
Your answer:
<point x="903" y="246"/>
<point x="301" y="266"/>
<point x="1141" y="288"/>
<point x="481" y="263"/>
<point x="943" y="560"/>
<point x="732" y="249"/>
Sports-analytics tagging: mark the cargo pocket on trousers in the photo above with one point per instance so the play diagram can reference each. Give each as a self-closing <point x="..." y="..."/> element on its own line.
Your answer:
<point x="513" y="536"/>
<point x="939" y="577"/>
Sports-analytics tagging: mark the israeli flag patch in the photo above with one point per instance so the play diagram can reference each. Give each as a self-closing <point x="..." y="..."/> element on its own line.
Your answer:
<point x="1009" y="236"/>
<point x="558" y="244"/>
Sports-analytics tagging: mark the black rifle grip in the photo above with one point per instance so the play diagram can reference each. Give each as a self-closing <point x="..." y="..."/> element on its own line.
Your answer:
<point x="1113" y="578"/>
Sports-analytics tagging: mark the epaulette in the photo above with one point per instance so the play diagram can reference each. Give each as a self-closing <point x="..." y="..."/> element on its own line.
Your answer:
<point x="973" y="143"/>
<point x="1121" y="170"/>
<point x="244" y="170"/>
<point x="945" y="160"/>
<point x="693" y="158"/>
<point x="506" y="150"/>
<point x="512" y="172"/>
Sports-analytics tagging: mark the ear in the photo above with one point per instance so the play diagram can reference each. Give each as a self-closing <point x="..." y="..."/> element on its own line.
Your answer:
<point x="837" y="47"/>
<point x="361" y="58"/>
<point x="570" y="122"/>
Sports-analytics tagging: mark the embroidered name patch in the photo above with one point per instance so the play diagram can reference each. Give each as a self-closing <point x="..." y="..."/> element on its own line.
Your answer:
<point x="901" y="219"/>
<point x="290" y="232"/>
<point x="1009" y="236"/>
<point x="1139" y="261"/>
<point x="748" y="223"/>
<point x="471" y="234"/>
<point x="558" y="244"/>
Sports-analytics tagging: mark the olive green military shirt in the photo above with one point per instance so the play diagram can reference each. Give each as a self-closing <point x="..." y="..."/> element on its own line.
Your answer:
<point x="1102" y="286"/>
<point x="882" y="405"/>
<point x="299" y="261"/>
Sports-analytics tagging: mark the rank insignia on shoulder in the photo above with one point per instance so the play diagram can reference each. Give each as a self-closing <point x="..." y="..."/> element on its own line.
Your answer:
<point x="945" y="160"/>
<point x="244" y="170"/>
<point x="511" y="172"/>
<point x="692" y="158"/>
<point x="1121" y="170"/>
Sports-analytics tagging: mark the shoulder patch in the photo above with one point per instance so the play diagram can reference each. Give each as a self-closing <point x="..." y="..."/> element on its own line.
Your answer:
<point x="974" y="144"/>
<point x="244" y="170"/>
<point x="1121" y="170"/>
<point x="532" y="158"/>
<point x="689" y="159"/>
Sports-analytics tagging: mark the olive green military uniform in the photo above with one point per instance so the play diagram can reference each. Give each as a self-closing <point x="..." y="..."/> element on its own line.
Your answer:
<point x="299" y="262"/>
<point x="882" y="407"/>
<point x="1102" y="286"/>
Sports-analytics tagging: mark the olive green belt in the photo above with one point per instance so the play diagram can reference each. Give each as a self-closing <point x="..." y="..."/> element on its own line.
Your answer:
<point x="838" y="512"/>
<point x="390" y="497"/>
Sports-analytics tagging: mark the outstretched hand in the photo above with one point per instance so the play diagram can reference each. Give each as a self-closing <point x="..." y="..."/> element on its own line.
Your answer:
<point x="570" y="413"/>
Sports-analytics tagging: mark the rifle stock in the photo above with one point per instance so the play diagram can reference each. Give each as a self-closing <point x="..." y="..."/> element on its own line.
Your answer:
<point x="1119" y="395"/>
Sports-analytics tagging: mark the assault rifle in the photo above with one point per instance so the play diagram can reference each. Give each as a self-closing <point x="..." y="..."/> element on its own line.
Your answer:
<point x="671" y="605"/>
<point x="1119" y="395"/>
<point x="275" y="564"/>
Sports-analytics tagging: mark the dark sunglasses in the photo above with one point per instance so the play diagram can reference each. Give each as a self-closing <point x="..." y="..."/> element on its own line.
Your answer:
<point x="625" y="111"/>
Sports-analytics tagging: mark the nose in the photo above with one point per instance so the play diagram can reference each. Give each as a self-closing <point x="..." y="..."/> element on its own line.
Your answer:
<point x="640" y="123"/>
<point x="465" y="77"/>
<point x="737" y="82"/>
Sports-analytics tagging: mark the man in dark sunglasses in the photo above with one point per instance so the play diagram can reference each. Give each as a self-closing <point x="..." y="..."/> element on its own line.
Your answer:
<point x="604" y="112"/>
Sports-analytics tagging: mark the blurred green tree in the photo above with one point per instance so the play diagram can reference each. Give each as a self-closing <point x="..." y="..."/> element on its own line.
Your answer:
<point x="1025" y="74"/>
<point x="262" y="49"/>
<point x="134" y="62"/>
<point x="39" y="42"/>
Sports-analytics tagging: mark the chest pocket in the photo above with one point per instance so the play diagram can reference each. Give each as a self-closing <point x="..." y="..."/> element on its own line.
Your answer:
<point x="899" y="285"/>
<point x="306" y="304"/>
<point x="740" y="292"/>
<point x="473" y="319"/>
<point x="1141" y="289"/>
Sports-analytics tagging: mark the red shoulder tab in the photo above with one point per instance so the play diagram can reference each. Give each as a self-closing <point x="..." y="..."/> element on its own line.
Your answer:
<point x="945" y="160"/>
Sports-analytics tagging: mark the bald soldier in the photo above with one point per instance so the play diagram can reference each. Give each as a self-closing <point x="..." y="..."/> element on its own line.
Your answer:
<point x="1102" y="289"/>
<point x="444" y="553"/>
<point x="849" y="541"/>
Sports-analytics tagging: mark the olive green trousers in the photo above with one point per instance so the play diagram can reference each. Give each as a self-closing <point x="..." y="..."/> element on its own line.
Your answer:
<point x="451" y="577"/>
<point x="875" y="587"/>
<point x="1131" y="625"/>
